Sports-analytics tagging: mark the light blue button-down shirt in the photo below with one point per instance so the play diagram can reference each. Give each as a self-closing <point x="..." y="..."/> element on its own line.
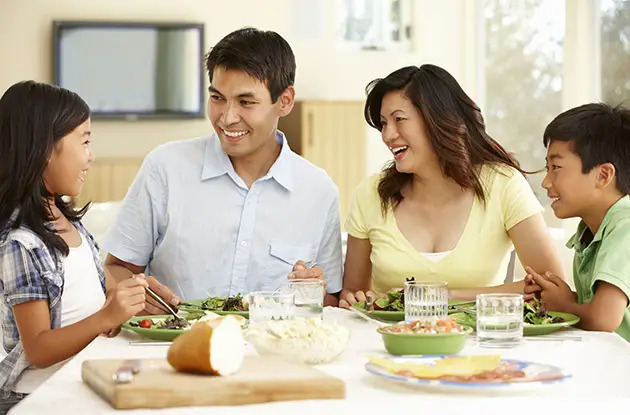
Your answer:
<point x="192" y="220"/>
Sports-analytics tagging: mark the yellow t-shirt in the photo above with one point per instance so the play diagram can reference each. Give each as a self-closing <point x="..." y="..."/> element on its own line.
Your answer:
<point x="479" y="259"/>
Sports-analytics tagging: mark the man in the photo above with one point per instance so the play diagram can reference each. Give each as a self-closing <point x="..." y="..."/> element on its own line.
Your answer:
<point x="237" y="211"/>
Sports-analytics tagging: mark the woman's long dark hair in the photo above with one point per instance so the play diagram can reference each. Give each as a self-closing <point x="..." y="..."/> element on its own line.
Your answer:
<point x="33" y="117"/>
<point x="454" y="124"/>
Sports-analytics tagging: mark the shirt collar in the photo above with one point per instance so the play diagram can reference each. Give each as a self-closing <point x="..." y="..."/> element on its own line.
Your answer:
<point x="217" y="163"/>
<point x="281" y="169"/>
<point x="575" y="241"/>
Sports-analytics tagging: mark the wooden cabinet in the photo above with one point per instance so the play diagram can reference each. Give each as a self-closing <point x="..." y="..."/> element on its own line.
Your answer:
<point x="108" y="179"/>
<point x="331" y="135"/>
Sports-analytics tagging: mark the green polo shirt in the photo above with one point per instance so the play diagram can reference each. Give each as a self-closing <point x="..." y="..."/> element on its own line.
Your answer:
<point x="605" y="258"/>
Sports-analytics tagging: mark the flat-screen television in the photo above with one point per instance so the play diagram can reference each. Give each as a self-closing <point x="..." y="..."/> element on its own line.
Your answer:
<point x="132" y="70"/>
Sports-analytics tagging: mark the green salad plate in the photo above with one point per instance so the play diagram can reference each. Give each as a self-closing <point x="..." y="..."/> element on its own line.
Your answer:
<point x="466" y="319"/>
<point x="152" y="333"/>
<point x="400" y="315"/>
<point x="195" y="306"/>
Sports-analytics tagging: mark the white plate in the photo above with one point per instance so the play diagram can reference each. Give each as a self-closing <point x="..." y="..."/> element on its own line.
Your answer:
<point x="527" y="383"/>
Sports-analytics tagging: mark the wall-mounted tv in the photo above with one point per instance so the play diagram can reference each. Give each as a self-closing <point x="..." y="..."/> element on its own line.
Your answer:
<point x="132" y="70"/>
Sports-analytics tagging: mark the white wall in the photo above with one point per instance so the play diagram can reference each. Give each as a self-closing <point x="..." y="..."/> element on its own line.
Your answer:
<point x="444" y="33"/>
<point x="324" y="70"/>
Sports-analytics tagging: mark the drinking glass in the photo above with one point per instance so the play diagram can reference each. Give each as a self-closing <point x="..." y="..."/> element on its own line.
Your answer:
<point x="309" y="297"/>
<point x="271" y="305"/>
<point x="499" y="320"/>
<point x="426" y="301"/>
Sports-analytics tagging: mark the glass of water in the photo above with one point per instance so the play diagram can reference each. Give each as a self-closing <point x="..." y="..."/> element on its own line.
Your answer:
<point x="499" y="320"/>
<point x="271" y="305"/>
<point x="309" y="297"/>
<point x="426" y="301"/>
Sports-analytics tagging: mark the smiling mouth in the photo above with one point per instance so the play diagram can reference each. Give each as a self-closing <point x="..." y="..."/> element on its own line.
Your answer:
<point x="398" y="151"/>
<point x="234" y="134"/>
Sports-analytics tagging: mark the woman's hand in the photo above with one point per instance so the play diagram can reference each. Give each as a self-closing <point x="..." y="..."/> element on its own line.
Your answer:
<point x="348" y="298"/>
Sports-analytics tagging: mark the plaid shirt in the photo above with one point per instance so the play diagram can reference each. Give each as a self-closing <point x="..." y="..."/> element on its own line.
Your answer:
<point x="29" y="271"/>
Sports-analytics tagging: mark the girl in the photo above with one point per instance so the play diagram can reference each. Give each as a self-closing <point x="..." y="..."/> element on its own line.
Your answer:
<point x="53" y="288"/>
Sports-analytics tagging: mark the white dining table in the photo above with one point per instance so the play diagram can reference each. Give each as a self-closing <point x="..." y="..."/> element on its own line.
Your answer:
<point x="599" y="364"/>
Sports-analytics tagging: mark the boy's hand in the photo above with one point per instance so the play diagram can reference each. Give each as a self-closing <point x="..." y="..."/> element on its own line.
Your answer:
<point x="556" y="294"/>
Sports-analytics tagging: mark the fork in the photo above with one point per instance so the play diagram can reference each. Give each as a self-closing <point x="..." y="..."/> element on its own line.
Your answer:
<point x="369" y="303"/>
<point x="466" y="310"/>
<point x="367" y="318"/>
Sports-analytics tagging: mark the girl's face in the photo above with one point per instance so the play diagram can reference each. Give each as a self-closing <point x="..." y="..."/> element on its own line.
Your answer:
<point x="69" y="162"/>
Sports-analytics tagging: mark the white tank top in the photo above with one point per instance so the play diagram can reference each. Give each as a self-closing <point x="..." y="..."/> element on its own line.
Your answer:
<point x="82" y="296"/>
<point x="435" y="256"/>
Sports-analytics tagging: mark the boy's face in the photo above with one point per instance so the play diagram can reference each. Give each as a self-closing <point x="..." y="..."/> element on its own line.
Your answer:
<point x="242" y="113"/>
<point x="570" y="190"/>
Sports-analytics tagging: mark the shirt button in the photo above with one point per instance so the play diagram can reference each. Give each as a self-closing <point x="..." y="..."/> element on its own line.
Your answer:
<point x="243" y="243"/>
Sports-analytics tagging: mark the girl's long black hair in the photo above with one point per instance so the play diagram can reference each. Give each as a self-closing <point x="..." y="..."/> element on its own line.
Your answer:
<point x="33" y="117"/>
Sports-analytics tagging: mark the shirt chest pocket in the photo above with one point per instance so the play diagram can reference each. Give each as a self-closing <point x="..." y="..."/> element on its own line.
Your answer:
<point x="282" y="257"/>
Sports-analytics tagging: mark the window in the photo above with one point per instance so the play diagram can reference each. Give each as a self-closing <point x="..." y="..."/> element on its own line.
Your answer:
<point x="615" y="51"/>
<point x="522" y="76"/>
<point x="375" y="24"/>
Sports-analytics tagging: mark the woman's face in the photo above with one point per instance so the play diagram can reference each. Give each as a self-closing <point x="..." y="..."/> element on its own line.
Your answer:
<point x="404" y="133"/>
<point x="69" y="162"/>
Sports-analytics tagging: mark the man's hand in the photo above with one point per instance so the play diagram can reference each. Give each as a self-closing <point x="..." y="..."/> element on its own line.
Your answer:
<point x="300" y="270"/>
<point x="151" y="306"/>
<point x="556" y="295"/>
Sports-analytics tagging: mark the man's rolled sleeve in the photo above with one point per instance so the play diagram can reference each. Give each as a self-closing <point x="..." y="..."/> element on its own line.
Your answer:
<point x="329" y="255"/>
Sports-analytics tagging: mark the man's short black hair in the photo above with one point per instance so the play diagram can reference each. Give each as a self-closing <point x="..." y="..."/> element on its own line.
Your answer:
<point x="599" y="133"/>
<point x="263" y="55"/>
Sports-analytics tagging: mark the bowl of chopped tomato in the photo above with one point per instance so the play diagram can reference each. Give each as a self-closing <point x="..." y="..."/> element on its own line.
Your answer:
<point x="443" y="336"/>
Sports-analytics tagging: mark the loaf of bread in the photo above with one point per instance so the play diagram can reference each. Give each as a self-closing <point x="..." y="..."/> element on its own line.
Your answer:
<point x="213" y="347"/>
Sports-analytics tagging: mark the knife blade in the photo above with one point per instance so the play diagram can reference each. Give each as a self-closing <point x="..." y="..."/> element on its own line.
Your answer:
<point x="126" y="371"/>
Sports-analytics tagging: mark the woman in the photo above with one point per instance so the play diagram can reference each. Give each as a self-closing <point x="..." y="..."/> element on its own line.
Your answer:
<point x="451" y="204"/>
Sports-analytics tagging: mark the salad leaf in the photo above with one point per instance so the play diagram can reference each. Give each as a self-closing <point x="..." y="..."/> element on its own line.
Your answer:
<point x="224" y="303"/>
<point x="535" y="313"/>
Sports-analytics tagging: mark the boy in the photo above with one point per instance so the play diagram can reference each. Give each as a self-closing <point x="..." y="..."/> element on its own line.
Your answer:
<point x="588" y="176"/>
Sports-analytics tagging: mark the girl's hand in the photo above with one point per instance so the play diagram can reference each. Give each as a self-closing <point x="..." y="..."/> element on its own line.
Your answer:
<point x="348" y="298"/>
<point x="126" y="300"/>
<point x="112" y="332"/>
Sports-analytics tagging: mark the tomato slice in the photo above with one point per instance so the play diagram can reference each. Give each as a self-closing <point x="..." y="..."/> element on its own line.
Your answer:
<point x="146" y="323"/>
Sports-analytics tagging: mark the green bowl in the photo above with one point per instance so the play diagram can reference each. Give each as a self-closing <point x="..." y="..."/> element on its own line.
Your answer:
<point x="421" y="343"/>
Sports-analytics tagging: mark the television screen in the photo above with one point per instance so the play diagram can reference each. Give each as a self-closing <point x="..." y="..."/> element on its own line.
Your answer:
<point x="131" y="70"/>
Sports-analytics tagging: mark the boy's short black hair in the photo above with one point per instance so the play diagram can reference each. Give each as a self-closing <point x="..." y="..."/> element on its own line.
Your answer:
<point x="263" y="55"/>
<point x="600" y="134"/>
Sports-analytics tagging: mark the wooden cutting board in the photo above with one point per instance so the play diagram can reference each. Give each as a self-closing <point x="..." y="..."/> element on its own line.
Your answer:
<point x="260" y="379"/>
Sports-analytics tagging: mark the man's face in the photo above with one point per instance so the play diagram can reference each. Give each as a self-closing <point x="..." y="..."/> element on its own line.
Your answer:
<point x="242" y="113"/>
<point x="570" y="190"/>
